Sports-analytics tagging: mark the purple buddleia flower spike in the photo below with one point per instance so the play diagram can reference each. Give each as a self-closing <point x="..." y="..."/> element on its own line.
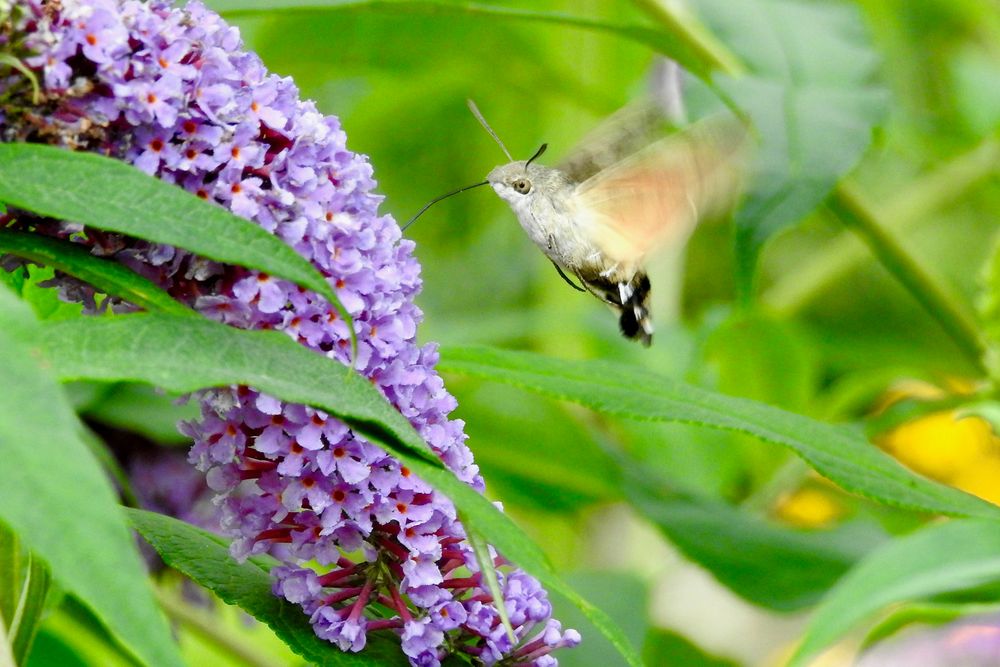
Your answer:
<point x="366" y="545"/>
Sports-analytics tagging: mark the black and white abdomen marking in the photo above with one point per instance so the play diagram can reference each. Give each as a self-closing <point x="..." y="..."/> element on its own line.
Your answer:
<point x="628" y="298"/>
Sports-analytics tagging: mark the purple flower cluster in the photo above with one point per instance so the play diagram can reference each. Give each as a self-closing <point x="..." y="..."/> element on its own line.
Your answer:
<point x="367" y="546"/>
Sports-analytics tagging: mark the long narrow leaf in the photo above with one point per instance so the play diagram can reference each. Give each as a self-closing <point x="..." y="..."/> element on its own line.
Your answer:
<point x="205" y="558"/>
<point x="59" y="502"/>
<point x="107" y="276"/>
<point x="108" y="194"/>
<point x="24" y="587"/>
<point x="835" y="452"/>
<point x="185" y="354"/>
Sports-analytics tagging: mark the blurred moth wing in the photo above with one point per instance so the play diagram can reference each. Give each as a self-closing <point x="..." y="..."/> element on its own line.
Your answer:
<point x="627" y="131"/>
<point x="655" y="197"/>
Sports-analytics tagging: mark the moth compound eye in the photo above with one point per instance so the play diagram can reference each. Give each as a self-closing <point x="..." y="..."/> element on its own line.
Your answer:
<point x="522" y="185"/>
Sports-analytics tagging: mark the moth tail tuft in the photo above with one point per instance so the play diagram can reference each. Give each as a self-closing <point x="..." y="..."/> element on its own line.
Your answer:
<point x="634" y="319"/>
<point x="629" y="299"/>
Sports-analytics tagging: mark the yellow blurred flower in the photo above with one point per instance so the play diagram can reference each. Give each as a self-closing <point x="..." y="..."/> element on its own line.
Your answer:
<point x="961" y="451"/>
<point x="940" y="445"/>
<point x="982" y="479"/>
<point x="809" y="507"/>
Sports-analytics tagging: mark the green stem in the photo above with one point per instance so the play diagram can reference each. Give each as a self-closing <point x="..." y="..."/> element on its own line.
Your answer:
<point x="14" y="63"/>
<point x="786" y="478"/>
<point x="698" y="39"/>
<point x="207" y="626"/>
<point x="815" y="274"/>
<point x="848" y="204"/>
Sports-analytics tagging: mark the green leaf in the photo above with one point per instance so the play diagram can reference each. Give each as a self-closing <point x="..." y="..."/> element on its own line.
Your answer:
<point x="810" y="96"/>
<point x="184" y="354"/>
<point x="661" y="42"/>
<point x="664" y="647"/>
<point x="205" y="558"/>
<point x="24" y="588"/>
<point x="623" y="596"/>
<point x="141" y="409"/>
<point x="938" y="559"/>
<point x="58" y="501"/>
<point x="834" y="451"/>
<point x="924" y="613"/>
<point x="107" y="194"/>
<point x="740" y="550"/>
<point x="489" y="573"/>
<point x="107" y="276"/>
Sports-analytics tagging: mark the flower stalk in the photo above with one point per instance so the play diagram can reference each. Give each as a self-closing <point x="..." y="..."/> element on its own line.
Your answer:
<point x="847" y="203"/>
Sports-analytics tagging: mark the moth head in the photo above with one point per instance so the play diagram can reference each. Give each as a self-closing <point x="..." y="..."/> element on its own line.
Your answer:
<point x="516" y="180"/>
<point x="513" y="181"/>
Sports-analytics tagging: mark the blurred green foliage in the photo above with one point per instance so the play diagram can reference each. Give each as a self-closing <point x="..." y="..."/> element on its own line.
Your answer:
<point x="830" y="328"/>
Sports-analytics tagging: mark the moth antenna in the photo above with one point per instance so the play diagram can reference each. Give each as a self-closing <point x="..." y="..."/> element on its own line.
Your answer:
<point x="538" y="153"/>
<point x="482" y="121"/>
<point x="436" y="200"/>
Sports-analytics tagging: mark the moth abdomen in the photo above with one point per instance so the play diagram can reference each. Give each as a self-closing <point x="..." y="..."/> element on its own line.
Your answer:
<point x="634" y="320"/>
<point x="630" y="299"/>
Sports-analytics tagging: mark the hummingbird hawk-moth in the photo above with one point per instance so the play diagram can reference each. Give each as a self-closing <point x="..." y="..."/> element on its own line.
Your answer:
<point x="602" y="212"/>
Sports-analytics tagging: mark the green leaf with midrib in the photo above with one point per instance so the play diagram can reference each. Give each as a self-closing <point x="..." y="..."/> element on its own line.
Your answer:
<point x="108" y="194"/>
<point x="835" y="452"/>
<point x="59" y="502"/>
<point x="107" y="276"/>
